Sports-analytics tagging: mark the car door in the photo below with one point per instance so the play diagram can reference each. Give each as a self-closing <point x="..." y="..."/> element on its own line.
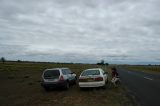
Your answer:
<point x="64" y="74"/>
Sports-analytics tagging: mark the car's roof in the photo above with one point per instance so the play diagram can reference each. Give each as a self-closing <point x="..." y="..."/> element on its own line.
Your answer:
<point x="94" y="69"/>
<point x="56" y="68"/>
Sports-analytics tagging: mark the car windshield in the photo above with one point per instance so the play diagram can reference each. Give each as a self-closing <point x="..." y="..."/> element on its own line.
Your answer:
<point x="51" y="74"/>
<point x="90" y="72"/>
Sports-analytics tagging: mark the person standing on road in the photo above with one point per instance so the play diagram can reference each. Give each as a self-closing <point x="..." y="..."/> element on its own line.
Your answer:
<point x="115" y="76"/>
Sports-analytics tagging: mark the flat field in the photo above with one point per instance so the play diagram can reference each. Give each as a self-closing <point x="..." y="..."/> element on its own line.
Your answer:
<point x="20" y="86"/>
<point x="144" y="68"/>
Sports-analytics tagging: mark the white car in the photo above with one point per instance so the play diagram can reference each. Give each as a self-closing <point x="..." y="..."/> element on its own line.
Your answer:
<point x="95" y="77"/>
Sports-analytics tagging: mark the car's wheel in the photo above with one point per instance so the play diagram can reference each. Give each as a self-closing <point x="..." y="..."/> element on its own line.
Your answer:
<point x="118" y="82"/>
<point x="75" y="81"/>
<point x="104" y="87"/>
<point x="46" y="88"/>
<point x="81" y="88"/>
<point x="67" y="85"/>
<point x="75" y="77"/>
<point x="107" y="81"/>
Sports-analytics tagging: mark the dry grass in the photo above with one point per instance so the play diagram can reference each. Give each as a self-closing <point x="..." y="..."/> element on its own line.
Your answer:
<point x="20" y="86"/>
<point x="144" y="68"/>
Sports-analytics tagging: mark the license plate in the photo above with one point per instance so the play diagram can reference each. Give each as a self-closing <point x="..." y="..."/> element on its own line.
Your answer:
<point x="90" y="79"/>
<point x="53" y="80"/>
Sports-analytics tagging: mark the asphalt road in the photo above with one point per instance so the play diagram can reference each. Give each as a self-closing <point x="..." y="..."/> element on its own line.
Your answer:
<point x="143" y="86"/>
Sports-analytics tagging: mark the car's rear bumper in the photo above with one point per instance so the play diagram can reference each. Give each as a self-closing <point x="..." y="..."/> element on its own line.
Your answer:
<point x="92" y="84"/>
<point x="54" y="84"/>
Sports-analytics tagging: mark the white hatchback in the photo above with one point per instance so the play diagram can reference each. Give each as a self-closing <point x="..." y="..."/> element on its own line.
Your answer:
<point x="95" y="77"/>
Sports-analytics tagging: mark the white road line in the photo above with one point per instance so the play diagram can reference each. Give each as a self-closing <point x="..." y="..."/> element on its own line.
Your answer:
<point x="148" y="78"/>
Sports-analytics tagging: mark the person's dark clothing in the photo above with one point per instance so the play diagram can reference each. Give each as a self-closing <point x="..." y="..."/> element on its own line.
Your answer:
<point x="114" y="72"/>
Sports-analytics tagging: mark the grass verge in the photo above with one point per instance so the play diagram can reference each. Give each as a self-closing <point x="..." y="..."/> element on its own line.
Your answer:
<point x="20" y="86"/>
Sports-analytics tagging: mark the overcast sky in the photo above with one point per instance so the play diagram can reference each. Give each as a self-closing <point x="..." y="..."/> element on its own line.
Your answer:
<point x="120" y="31"/>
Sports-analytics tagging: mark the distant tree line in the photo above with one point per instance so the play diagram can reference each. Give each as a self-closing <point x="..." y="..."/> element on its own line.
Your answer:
<point x="102" y="63"/>
<point x="3" y="60"/>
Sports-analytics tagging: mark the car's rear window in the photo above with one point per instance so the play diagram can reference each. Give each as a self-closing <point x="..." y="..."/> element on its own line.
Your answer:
<point x="51" y="73"/>
<point x="90" y="72"/>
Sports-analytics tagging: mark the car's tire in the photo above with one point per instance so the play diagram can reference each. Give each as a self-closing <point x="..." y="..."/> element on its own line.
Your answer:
<point x="76" y="77"/>
<point x="104" y="87"/>
<point x="118" y="82"/>
<point x="107" y="81"/>
<point x="75" y="82"/>
<point x="67" y="85"/>
<point x="46" y="88"/>
<point x="81" y="88"/>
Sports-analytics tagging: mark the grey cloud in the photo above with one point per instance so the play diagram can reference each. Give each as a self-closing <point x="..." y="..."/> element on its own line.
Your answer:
<point x="12" y="49"/>
<point x="81" y="30"/>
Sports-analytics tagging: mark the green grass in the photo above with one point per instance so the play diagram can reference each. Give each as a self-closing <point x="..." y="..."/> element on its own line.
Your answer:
<point x="20" y="86"/>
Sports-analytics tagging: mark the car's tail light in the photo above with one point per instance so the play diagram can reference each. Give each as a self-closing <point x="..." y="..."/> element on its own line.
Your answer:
<point x="99" y="79"/>
<point x="61" y="78"/>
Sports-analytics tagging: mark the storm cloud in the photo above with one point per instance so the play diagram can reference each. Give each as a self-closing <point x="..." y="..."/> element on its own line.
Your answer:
<point x="86" y="31"/>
